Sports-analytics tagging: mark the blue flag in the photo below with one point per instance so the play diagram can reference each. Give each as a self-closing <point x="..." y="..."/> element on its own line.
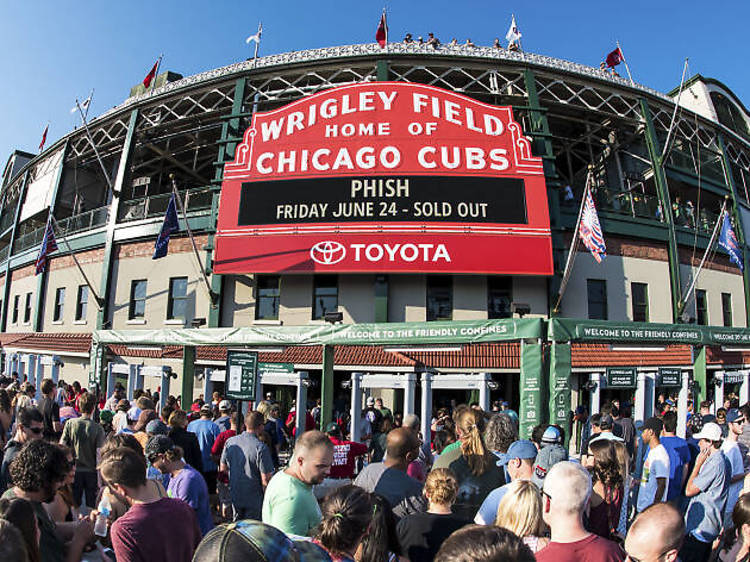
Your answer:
<point x="728" y="241"/>
<point x="49" y="245"/>
<point x="169" y="226"/>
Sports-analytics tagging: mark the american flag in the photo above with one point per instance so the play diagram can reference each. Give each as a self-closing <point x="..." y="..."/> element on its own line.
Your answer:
<point x="49" y="245"/>
<point x="591" y="230"/>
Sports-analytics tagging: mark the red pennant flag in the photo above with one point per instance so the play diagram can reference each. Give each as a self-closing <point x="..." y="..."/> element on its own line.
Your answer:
<point x="381" y="35"/>
<point x="614" y="58"/>
<point x="44" y="138"/>
<point x="150" y="76"/>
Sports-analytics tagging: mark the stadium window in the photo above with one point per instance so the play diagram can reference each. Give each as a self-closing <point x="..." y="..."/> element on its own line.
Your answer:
<point x="499" y="297"/>
<point x="137" y="307"/>
<point x="439" y="297"/>
<point x="268" y="291"/>
<point x="27" y="309"/>
<point x="597" y="298"/>
<point x="639" y="294"/>
<point x="177" y="304"/>
<point x="726" y="309"/>
<point x="325" y="295"/>
<point x="16" y="304"/>
<point x="701" y="307"/>
<point x="57" y="313"/>
<point x="82" y="302"/>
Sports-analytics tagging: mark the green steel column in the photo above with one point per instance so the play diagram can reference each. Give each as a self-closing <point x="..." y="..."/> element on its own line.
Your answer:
<point x="531" y="387"/>
<point x="542" y="146"/>
<point x="739" y="226"/>
<point x="382" y="71"/>
<point x="699" y="376"/>
<point x="230" y="129"/>
<point x="41" y="280"/>
<point x="660" y="178"/>
<point x="559" y="386"/>
<point x="6" y="285"/>
<point x="326" y="388"/>
<point x="188" y="376"/>
<point x="105" y="285"/>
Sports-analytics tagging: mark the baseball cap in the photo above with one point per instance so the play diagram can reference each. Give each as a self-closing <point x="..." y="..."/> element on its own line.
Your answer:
<point x="654" y="424"/>
<point x="206" y="408"/>
<point x="606" y="422"/>
<point x="195" y="407"/>
<point x="710" y="431"/>
<point x="551" y="435"/>
<point x="332" y="427"/>
<point x="370" y="401"/>
<point x="106" y="416"/>
<point x="157" y="445"/>
<point x="156" y="427"/>
<point x="225" y="405"/>
<point x="253" y="540"/>
<point x="733" y="415"/>
<point x="547" y="458"/>
<point x="521" y="449"/>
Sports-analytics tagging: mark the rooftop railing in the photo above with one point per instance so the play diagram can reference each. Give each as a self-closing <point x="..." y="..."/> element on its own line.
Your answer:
<point x="195" y="199"/>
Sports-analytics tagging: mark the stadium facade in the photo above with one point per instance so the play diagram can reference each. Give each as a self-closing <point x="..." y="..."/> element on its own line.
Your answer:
<point x="482" y="321"/>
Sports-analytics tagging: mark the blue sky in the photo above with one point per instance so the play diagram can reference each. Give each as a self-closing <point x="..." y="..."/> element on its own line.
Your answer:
<point x="52" y="52"/>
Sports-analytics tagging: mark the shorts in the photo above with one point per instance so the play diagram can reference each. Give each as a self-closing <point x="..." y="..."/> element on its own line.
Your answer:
<point x="224" y="497"/>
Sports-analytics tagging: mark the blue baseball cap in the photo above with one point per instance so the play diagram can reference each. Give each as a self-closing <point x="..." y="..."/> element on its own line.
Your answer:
<point x="733" y="415"/>
<point x="521" y="449"/>
<point x="551" y="435"/>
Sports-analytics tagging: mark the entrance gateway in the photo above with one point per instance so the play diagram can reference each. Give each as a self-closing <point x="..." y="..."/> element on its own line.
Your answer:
<point x="548" y="388"/>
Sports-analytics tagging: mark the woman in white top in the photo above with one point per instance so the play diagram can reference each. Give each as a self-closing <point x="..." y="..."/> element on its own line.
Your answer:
<point x="520" y="511"/>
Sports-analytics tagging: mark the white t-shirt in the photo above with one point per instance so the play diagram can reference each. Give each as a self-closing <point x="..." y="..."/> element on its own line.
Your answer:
<point x="732" y="451"/>
<point x="655" y="466"/>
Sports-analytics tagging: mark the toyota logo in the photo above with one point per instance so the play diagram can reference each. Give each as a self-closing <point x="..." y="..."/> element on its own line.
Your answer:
<point x="327" y="252"/>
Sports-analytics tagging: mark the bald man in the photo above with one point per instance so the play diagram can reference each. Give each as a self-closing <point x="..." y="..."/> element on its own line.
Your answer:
<point x="389" y="478"/>
<point x="656" y="534"/>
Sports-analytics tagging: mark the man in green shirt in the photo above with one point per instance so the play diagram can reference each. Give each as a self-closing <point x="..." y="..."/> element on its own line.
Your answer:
<point x="289" y="503"/>
<point x="85" y="437"/>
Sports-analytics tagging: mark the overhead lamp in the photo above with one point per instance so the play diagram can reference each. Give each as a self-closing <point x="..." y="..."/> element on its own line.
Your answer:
<point x="637" y="348"/>
<point x="418" y="349"/>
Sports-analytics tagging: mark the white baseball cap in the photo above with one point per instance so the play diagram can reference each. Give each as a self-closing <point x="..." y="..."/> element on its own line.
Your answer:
<point x="710" y="431"/>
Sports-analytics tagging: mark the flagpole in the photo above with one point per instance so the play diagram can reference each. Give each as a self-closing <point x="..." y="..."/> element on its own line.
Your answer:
<point x="714" y="234"/>
<point x="97" y="298"/>
<point x="90" y="98"/>
<point x="257" y="43"/>
<point x="93" y="145"/>
<point x="211" y="294"/>
<point x="385" y="19"/>
<point x="666" y="150"/>
<point x="573" y="247"/>
<point x="624" y="60"/>
<point x="156" y="74"/>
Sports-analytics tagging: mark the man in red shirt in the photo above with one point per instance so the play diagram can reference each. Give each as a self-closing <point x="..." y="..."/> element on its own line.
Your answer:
<point x="345" y="455"/>
<point x="566" y="494"/>
<point x="222" y="477"/>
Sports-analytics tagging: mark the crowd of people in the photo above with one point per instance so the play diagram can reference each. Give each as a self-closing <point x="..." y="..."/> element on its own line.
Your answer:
<point x="87" y="477"/>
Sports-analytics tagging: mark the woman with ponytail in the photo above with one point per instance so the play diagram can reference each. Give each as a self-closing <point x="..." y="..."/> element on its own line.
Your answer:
<point x="346" y="515"/>
<point x="472" y="463"/>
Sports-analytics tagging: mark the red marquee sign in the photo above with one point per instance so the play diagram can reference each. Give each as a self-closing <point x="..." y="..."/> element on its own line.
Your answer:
<point x="384" y="177"/>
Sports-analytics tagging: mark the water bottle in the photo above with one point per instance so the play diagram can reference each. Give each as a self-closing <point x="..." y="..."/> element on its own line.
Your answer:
<point x="105" y="508"/>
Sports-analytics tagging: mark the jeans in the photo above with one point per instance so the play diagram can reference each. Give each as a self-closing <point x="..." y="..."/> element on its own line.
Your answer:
<point x="85" y="481"/>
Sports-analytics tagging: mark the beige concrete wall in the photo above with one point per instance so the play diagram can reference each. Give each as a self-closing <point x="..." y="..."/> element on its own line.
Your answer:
<point x="714" y="283"/>
<point x="296" y="300"/>
<point x="134" y="262"/>
<point x="531" y="291"/>
<point x="357" y="298"/>
<point x="469" y="297"/>
<point x="407" y="298"/>
<point x="619" y="273"/>
<point x="239" y="301"/>
<point x="64" y="273"/>
<point x="22" y="282"/>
